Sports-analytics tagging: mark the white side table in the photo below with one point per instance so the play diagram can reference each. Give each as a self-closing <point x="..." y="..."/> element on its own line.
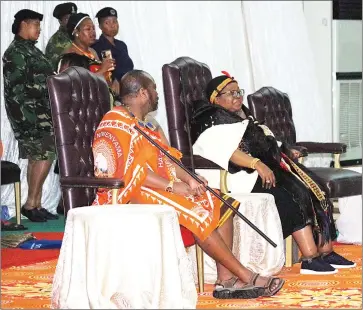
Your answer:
<point x="123" y="256"/>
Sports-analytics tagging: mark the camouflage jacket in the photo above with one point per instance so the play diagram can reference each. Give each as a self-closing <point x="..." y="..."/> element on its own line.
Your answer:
<point x="56" y="45"/>
<point x="25" y="70"/>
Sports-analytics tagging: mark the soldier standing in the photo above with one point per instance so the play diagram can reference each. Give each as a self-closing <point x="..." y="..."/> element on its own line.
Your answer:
<point x="25" y="71"/>
<point x="60" y="40"/>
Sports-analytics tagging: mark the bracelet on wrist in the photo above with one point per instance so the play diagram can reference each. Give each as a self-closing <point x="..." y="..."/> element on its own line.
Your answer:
<point x="254" y="162"/>
<point x="170" y="187"/>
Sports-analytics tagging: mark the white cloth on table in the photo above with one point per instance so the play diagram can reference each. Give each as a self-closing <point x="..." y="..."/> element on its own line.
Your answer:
<point x="349" y="222"/>
<point x="249" y="247"/>
<point x="123" y="256"/>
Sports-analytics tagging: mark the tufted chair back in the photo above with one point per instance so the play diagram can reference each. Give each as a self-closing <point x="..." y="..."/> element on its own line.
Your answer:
<point x="79" y="99"/>
<point x="184" y="80"/>
<point x="273" y="108"/>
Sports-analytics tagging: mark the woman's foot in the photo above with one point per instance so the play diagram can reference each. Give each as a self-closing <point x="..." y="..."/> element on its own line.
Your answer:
<point x="33" y="214"/>
<point x="337" y="261"/>
<point x="315" y="266"/>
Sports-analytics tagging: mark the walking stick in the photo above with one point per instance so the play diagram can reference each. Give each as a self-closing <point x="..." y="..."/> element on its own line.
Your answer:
<point x="253" y="226"/>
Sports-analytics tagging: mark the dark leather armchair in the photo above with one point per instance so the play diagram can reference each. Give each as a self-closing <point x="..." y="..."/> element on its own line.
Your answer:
<point x="184" y="81"/>
<point x="79" y="99"/>
<point x="273" y="108"/>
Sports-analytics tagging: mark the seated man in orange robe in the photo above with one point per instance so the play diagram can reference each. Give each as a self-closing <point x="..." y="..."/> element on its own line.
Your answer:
<point x="151" y="178"/>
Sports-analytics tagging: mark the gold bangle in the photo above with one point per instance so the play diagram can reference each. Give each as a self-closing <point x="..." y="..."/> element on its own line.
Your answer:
<point x="254" y="162"/>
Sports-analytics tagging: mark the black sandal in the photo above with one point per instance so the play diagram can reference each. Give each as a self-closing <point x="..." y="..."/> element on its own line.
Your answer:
<point x="7" y="226"/>
<point x="226" y="290"/>
<point x="267" y="288"/>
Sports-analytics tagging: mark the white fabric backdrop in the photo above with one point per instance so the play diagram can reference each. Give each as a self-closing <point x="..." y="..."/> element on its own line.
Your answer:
<point x="157" y="32"/>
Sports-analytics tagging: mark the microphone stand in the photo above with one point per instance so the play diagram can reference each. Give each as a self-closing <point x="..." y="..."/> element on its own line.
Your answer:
<point x="178" y="163"/>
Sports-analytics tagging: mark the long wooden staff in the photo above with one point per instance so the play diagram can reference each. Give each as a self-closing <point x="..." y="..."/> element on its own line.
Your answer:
<point x="253" y="226"/>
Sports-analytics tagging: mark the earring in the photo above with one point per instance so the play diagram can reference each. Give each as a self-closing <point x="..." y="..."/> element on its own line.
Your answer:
<point x="76" y="34"/>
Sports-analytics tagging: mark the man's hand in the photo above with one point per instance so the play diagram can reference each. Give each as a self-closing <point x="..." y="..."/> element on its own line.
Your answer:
<point x="266" y="174"/>
<point x="182" y="188"/>
<point x="198" y="188"/>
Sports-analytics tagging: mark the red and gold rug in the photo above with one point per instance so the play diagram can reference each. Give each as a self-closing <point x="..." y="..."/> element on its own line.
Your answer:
<point x="29" y="287"/>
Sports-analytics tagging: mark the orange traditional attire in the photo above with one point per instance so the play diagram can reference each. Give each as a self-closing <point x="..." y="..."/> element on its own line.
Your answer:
<point x="121" y="152"/>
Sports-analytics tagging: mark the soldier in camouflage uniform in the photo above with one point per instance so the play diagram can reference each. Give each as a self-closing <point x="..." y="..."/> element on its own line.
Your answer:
<point x="60" y="40"/>
<point x="25" y="70"/>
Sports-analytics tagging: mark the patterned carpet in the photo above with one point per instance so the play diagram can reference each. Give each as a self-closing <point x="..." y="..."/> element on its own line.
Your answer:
<point x="29" y="287"/>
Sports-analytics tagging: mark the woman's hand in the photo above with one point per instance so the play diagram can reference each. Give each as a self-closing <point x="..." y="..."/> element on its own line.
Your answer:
<point x="198" y="188"/>
<point x="266" y="174"/>
<point x="294" y="154"/>
<point x="182" y="188"/>
<point x="108" y="64"/>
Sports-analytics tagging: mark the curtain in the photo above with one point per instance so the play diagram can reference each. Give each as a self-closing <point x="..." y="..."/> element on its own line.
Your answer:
<point x="265" y="44"/>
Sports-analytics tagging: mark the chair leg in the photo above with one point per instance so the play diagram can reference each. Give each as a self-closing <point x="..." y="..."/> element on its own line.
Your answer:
<point x="288" y="253"/>
<point x="337" y="161"/>
<point x="200" y="268"/>
<point x="114" y="196"/>
<point x="17" y="190"/>
<point x="223" y="181"/>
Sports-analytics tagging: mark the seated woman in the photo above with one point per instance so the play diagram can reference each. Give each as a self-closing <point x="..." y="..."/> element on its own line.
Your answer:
<point x="305" y="210"/>
<point x="82" y="32"/>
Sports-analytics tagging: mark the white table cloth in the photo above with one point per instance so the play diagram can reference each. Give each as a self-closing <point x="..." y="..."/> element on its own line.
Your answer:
<point x="123" y="257"/>
<point x="349" y="222"/>
<point x="251" y="249"/>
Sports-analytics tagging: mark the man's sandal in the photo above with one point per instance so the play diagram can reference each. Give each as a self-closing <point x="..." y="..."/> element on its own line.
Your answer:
<point x="227" y="290"/>
<point x="267" y="288"/>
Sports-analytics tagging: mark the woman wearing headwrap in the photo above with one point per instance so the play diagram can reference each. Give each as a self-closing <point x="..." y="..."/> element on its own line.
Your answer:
<point x="25" y="71"/>
<point x="82" y="32"/>
<point x="252" y="151"/>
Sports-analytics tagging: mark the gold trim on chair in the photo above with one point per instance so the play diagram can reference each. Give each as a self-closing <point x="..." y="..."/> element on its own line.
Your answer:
<point x="200" y="268"/>
<point x="17" y="189"/>
<point x="337" y="161"/>
<point x="288" y="252"/>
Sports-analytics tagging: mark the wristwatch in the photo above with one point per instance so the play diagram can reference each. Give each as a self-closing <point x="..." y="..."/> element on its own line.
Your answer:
<point x="169" y="187"/>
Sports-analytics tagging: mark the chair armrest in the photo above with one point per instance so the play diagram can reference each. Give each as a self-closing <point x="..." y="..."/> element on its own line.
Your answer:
<point x="91" y="182"/>
<point x="321" y="147"/>
<point x="199" y="163"/>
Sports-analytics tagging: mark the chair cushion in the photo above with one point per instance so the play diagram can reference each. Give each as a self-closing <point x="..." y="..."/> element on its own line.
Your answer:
<point x="187" y="236"/>
<point x="339" y="182"/>
<point x="10" y="172"/>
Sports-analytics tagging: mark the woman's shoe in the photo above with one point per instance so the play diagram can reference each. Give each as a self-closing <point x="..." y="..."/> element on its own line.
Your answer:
<point x="33" y="215"/>
<point x="337" y="261"/>
<point x="48" y="215"/>
<point x="316" y="266"/>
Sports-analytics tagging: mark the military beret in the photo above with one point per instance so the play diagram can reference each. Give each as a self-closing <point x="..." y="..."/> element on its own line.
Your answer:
<point x="63" y="9"/>
<point x="106" y="12"/>
<point x="23" y="15"/>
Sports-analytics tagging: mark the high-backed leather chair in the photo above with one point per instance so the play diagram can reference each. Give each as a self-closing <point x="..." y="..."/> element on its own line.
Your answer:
<point x="273" y="108"/>
<point x="184" y="81"/>
<point x="79" y="99"/>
